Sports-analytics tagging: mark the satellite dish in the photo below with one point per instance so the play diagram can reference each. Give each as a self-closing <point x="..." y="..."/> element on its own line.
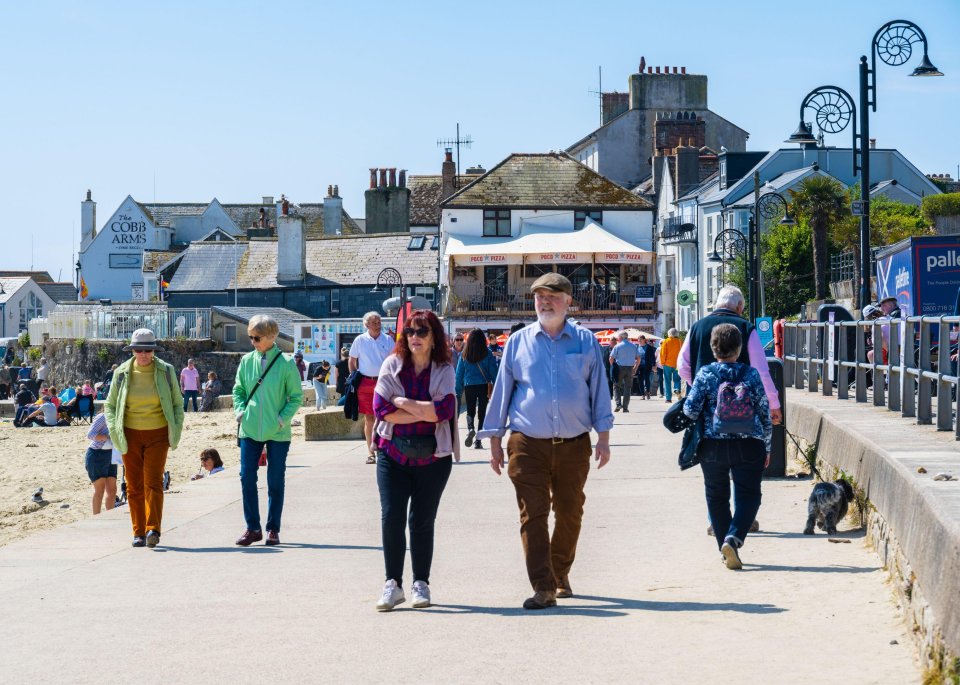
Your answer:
<point x="686" y="297"/>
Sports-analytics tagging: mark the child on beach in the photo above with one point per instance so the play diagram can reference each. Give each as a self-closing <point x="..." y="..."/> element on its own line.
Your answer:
<point x="99" y="462"/>
<point x="736" y="439"/>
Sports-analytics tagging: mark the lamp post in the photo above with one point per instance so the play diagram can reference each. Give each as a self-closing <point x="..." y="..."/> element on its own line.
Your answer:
<point x="893" y="42"/>
<point x="391" y="277"/>
<point x="768" y="205"/>
<point x="732" y="242"/>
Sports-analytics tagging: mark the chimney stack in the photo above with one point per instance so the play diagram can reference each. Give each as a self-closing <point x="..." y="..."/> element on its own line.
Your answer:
<point x="873" y="143"/>
<point x="448" y="172"/>
<point x="332" y="212"/>
<point x="291" y="249"/>
<point x="388" y="205"/>
<point x="88" y="221"/>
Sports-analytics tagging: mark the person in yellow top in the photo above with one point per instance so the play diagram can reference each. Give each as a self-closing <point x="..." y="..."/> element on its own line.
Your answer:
<point x="669" y="352"/>
<point x="144" y="412"/>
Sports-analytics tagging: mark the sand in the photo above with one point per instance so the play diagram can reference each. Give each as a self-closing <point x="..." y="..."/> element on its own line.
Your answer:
<point x="53" y="458"/>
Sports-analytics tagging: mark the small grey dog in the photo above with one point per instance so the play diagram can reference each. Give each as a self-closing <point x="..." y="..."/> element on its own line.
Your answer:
<point x="828" y="505"/>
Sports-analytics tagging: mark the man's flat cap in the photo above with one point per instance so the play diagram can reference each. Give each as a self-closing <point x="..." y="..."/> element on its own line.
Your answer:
<point x="554" y="282"/>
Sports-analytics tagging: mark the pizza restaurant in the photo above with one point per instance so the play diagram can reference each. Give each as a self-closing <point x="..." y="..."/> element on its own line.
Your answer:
<point x="489" y="278"/>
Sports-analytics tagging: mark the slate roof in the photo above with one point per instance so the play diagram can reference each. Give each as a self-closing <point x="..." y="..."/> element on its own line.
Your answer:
<point x="59" y="292"/>
<point x="37" y="276"/>
<point x="425" y="199"/>
<point x="283" y="317"/>
<point x="245" y="215"/>
<point x="11" y="284"/>
<point x="553" y="180"/>
<point x="154" y="259"/>
<point x="347" y="260"/>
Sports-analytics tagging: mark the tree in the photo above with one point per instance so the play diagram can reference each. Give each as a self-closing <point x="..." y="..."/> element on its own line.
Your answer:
<point x="820" y="202"/>
<point x="786" y="255"/>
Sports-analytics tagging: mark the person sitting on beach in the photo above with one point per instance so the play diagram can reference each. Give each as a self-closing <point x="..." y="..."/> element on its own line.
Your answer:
<point x="99" y="463"/>
<point x="45" y="415"/>
<point x="211" y="392"/>
<point x="68" y="399"/>
<point x="51" y="393"/>
<point x="87" y="388"/>
<point x="211" y="462"/>
<point x="24" y="400"/>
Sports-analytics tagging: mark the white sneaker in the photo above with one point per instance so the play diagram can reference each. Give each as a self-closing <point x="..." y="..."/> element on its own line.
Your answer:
<point x="421" y="595"/>
<point x="391" y="597"/>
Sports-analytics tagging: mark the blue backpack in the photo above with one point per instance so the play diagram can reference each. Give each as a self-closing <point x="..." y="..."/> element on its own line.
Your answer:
<point x="734" y="414"/>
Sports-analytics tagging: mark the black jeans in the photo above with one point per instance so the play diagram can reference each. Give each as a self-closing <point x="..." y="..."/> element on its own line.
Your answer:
<point x="743" y="460"/>
<point x="420" y="488"/>
<point x="476" y="398"/>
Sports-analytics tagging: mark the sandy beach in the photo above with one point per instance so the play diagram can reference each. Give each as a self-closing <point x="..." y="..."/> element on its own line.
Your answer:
<point x="52" y="458"/>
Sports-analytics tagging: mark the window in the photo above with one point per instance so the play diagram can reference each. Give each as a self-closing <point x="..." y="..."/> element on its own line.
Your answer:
<point x="424" y="292"/>
<point x="229" y="332"/>
<point x="711" y="285"/>
<point x="495" y="276"/>
<point x="416" y="242"/>
<point x="688" y="262"/>
<point x="580" y="218"/>
<point x="435" y="243"/>
<point x="536" y="270"/>
<point x="30" y="308"/>
<point x="335" y="300"/>
<point x="496" y="222"/>
<point x="709" y="233"/>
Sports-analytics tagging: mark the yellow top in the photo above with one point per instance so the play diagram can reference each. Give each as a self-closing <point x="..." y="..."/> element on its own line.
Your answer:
<point x="143" y="411"/>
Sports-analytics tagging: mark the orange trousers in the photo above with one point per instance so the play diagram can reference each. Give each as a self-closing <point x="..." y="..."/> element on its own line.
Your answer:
<point x="143" y="466"/>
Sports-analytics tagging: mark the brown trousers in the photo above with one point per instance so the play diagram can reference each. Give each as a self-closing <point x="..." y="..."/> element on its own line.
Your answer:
<point x="544" y="473"/>
<point x="143" y="470"/>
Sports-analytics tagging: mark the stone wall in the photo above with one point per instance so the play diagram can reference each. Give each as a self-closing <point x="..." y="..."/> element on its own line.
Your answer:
<point x="73" y="361"/>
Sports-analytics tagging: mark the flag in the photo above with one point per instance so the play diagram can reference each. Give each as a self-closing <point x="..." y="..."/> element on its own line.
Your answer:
<point x="83" y="289"/>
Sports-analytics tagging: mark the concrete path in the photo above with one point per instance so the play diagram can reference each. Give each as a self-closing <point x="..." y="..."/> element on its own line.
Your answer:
<point x="653" y="605"/>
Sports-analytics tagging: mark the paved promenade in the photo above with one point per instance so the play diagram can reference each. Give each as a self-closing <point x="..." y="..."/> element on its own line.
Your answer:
<point x="653" y="602"/>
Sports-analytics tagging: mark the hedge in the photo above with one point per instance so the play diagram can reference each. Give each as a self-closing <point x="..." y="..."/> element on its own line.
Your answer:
<point x="947" y="204"/>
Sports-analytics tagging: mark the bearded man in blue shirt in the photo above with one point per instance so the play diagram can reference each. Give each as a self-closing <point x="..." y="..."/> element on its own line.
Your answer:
<point x="551" y="391"/>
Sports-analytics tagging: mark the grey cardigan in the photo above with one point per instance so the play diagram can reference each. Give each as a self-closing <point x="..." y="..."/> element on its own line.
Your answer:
<point x="442" y="383"/>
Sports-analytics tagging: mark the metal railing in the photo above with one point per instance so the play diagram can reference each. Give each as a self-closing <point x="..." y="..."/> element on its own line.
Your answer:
<point x="918" y="378"/>
<point x="119" y="324"/>
<point x="477" y="298"/>
<point x="676" y="229"/>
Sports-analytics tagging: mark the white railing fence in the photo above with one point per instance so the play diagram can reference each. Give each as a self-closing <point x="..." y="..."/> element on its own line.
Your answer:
<point x="119" y="324"/>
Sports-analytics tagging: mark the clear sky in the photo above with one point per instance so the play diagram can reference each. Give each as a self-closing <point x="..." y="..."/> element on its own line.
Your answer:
<point x="186" y="101"/>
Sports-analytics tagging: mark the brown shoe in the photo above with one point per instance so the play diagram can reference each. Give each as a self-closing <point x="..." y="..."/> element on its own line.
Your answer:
<point x="564" y="591"/>
<point x="541" y="600"/>
<point x="249" y="537"/>
<point x="755" y="526"/>
<point x="273" y="538"/>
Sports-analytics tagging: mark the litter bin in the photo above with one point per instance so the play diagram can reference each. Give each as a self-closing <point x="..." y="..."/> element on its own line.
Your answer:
<point x="778" y="448"/>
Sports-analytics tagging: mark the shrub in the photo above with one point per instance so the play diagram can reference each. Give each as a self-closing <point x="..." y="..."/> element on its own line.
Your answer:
<point x="34" y="353"/>
<point x="23" y="340"/>
<point x="103" y="354"/>
<point x="934" y="206"/>
<point x="79" y="343"/>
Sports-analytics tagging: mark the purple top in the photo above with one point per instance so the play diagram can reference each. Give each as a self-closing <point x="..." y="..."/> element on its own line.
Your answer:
<point x="415" y="387"/>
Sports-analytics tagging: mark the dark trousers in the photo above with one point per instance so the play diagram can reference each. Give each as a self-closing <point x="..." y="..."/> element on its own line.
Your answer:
<point x="645" y="374"/>
<point x="476" y="399"/>
<point x="250" y="451"/>
<point x="623" y="388"/>
<point x="743" y="461"/>
<point x="545" y="474"/>
<point x="188" y="395"/>
<point x="417" y="490"/>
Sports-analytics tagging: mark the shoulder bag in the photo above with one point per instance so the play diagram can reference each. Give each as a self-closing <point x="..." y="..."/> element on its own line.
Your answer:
<point x="489" y="384"/>
<point x="257" y="387"/>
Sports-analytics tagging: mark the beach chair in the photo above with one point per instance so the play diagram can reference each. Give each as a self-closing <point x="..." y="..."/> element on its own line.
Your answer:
<point x="82" y="411"/>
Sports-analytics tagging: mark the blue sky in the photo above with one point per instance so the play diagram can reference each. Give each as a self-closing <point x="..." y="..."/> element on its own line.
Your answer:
<point x="241" y="99"/>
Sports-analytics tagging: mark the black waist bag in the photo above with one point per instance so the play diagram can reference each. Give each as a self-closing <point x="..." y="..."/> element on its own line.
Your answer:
<point x="416" y="446"/>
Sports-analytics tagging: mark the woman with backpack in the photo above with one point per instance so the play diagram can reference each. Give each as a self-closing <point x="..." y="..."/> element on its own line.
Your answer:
<point x="476" y="372"/>
<point x="730" y="398"/>
<point x="266" y="395"/>
<point x="144" y="413"/>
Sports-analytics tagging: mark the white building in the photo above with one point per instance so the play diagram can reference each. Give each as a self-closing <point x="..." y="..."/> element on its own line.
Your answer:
<point x="689" y="225"/>
<point x="537" y="213"/>
<point x="21" y="299"/>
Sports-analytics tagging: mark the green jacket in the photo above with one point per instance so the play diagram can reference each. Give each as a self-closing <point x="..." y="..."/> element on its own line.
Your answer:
<point x="277" y="399"/>
<point x="171" y="401"/>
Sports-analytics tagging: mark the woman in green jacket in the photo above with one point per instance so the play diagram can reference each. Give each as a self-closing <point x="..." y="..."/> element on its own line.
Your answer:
<point x="144" y="415"/>
<point x="264" y="415"/>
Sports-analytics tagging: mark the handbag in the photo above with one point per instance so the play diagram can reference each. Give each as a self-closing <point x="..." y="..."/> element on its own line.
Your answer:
<point x="257" y="386"/>
<point x="489" y="384"/>
<point x="674" y="420"/>
<point x="416" y="446"/>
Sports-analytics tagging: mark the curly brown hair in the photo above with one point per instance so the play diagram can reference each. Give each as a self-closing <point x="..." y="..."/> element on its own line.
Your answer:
<point x="424" y="317"/>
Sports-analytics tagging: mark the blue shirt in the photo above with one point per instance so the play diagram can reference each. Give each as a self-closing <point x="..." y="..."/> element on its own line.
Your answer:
<point x="550" y="388"/>
<point x="481" y="373"/>
<point x="624" y="353"/>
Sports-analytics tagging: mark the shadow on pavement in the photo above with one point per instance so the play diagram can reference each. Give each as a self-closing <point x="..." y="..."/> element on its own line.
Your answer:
<point x="857" y="534"/>
<point x="252" y="549"/>
<point x="607" y="607"/>
<point x="811" y="569"/>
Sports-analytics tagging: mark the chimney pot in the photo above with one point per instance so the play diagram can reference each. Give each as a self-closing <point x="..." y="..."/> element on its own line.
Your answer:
<point x="393" y="177"/>
<point x="373" y="178"/>
<point x="674" y="70"/>
<point x="336" y="191"/>
<point x="873" y="143"/>
<point x="89" y="195"/>
<point x="448" y="155"/>
<point x="658" y="70"/>
<point x="383" y="177"/>
<point x="403" y="178"/>
<point x="649" y="70"/>
<point x="683" y="70"/>
<point x="329" y="191"/>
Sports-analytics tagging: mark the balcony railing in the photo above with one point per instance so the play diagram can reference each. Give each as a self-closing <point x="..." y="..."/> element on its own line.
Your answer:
<point x="675" y="229"/>
<point x="477" y="299"/>
<point x="113" y="324"/>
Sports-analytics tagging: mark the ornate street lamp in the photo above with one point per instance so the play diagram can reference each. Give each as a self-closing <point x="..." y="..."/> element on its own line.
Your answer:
<point x="391" y="278"/>
<point x="833" y="110"/>
<point x="893" y="42"/>
<point x="768" y="206"/>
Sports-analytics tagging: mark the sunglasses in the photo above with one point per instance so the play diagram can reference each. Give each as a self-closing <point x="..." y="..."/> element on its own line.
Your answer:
<point x="255" y="338"/>
<point x="420" y="332"/>
<point x="458" y="340"/>
<point x="136" y="351"/>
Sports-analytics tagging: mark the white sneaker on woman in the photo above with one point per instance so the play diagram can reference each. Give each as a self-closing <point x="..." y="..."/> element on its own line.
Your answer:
<point x="391" y="597"/>
<point x="421" y="595"/>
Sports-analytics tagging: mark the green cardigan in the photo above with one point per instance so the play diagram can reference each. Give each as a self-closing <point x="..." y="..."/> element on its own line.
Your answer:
<point x="171" y="401"/>
<point x="278" y="399"/>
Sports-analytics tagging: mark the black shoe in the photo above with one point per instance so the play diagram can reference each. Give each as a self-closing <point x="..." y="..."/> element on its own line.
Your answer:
<point x="153" y="538"/>
<point x="478" y="445"/>
<point x="626" y="411"/>
<point x="617" y="408"/>
<point x="541" y="599"/>
<point x="139" y="541"/>
<point x="471" y="434"/>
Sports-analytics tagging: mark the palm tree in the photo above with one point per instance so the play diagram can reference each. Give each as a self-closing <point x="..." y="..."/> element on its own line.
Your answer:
<point x="821" y="202"/>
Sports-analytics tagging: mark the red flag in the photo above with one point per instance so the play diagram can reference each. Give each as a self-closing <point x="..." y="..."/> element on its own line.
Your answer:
<point x="402" y="315"/>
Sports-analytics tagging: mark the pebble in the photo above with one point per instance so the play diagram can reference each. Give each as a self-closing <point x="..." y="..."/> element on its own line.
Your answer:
<point x="894" y="642"/>
<point x="920" y="469"/>
<point x="64" y="506"/>
<point x="843" y="541"/>
<point x="943" y="476"/>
